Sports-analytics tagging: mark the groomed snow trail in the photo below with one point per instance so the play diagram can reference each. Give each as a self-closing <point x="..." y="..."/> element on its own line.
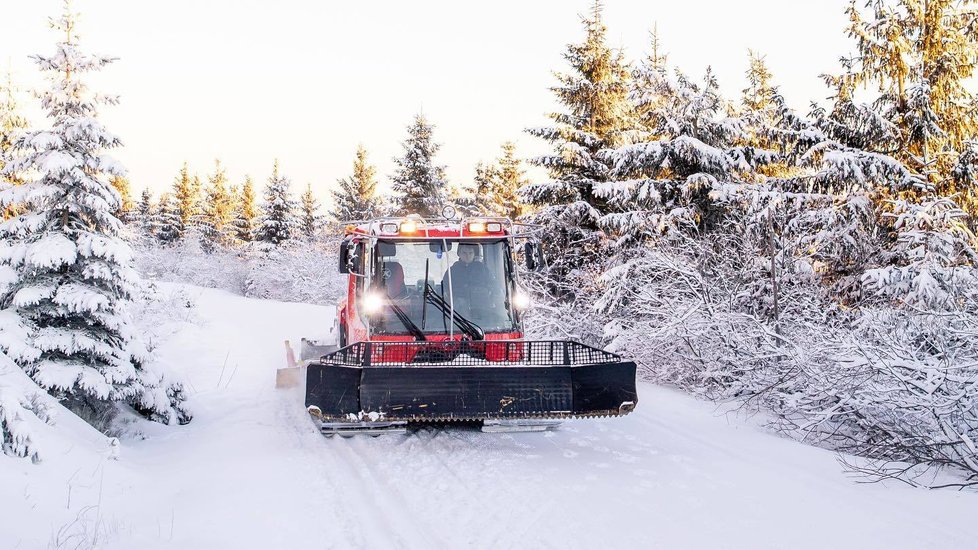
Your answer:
<point x="251" y="471"/>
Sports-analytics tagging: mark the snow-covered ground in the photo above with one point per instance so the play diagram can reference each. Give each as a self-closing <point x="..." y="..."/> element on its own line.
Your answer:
<point x="251" y="471"/>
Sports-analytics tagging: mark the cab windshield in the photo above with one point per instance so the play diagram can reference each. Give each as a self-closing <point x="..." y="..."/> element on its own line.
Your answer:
<point x="469" y="278"/>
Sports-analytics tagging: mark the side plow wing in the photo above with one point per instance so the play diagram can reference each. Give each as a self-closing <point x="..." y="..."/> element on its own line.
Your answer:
<point x="454" y="381"/>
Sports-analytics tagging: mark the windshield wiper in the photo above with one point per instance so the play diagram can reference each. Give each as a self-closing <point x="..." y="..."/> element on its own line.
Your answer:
<point x="471" y="329"/>
<point x="405" y="320"/>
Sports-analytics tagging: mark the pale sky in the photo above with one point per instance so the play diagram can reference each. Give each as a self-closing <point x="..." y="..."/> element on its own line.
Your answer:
<point x="247" y="81"/>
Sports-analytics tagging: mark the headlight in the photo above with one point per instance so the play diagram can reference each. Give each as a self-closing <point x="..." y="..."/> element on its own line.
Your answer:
<point x="372" y="302"/>
<point x="521" y="300"/>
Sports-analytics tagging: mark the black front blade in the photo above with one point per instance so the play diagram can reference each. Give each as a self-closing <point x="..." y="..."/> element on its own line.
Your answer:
<point x="456" y="393"/>
<point x="446" y="392"/>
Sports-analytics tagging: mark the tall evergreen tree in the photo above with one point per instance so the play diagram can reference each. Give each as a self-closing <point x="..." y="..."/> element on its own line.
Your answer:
<point x="650" y="86"/>
<point x="356" y="198"/>
<point x="310" y="221"/>
<point x="761" y="109"/>
<point x="11" y="123"/>
<point x="920" y="56"/>
<point x="278" y="220"/>
<point x="216" y="222"/>
<point x="246" y="212"/>
<point x="419" y="184"/>
<point x="145" y="207"/>
<point x="75" y="275"/>
<point x="126" y="204"/>
<point x="597" y="115"/>
<point x="145" y="211"/>
<point x="481" y="191"/>
<point x="692" y="148"/>
<point x="756" y="97"/>
<point x="511" y="177"/>
<point x="495" y="189"/>
<point x="165" y="223"/>
<point x="186" y="194"/>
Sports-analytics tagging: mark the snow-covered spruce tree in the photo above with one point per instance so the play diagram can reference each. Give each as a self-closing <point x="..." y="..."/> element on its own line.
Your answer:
<point x="165" y="223"/>
<point x="278" y="221"/>
<point x="701" y="286"/>
<point x="479" y="200"/>
<point x="216" y="210"/>
<point x="419" y="185"/>
<point x="74" y="275"/>
<point x="310" y="220"/>
<point x="11" y="123"/>
<point x="143" y="212"/>
<point x="510" y="178"/>
<point x="145" y="206"/>
<point x="356" y="198"/>
<point x="919" y="55"/>
<point x="756" y="97"/>
<point x="126" y="204"/>
<point x="932" y="265"/>
<point x="691" y="148"/>
<point x="245" y="213"/>
<point x="495" y="187"/>
<point x="837" y="162"/>
<point x="761" y="110"/>
<point x="186" y="196"/>
<point x="597" y="115"/>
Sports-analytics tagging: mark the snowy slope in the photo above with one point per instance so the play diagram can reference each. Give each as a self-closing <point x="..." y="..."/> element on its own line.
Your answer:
<point x="251" y="471"/>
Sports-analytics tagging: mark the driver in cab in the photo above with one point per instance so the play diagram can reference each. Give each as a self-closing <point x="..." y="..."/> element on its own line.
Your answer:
<point x="470" y="280"/>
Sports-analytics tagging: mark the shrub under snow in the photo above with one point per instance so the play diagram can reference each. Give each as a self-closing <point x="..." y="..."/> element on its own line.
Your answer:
<point x="23" y="409"/>
<point x="892" y="377"/>
<point x="295" y="271"/>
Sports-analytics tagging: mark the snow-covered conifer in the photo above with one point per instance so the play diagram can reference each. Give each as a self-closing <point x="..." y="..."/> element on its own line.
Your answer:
<point x="356" y="198"/>
<point x="694" y="148"/>
<point x="246" y="212"/>
<point x="186" y="194"/>
<point x="166" y="221"/>
<point x="920" y="56"/>
<point x="310" y="220"/>
<point x="761" y="109"/>
<point x="126" y="204"/>
<point x="510" y="178"/>
<point x="75" y="278"/>
<point x="215" y="220"/>
<point x="11" y="123"/>
<point x="419" y="185"/>
<point x="145" y="207"/>
<point x="596" y="115"/>
<point x="495" y="188"/>
<point x="479" y="194"/>
<point x="756" y="97"/>
<point x="934" y="257"/>
<point x="144" y="213"/>
<point x="278" y="221"/>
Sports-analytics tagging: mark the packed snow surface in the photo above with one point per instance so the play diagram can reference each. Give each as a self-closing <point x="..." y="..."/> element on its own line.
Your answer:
<point x="252" y="471"/>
